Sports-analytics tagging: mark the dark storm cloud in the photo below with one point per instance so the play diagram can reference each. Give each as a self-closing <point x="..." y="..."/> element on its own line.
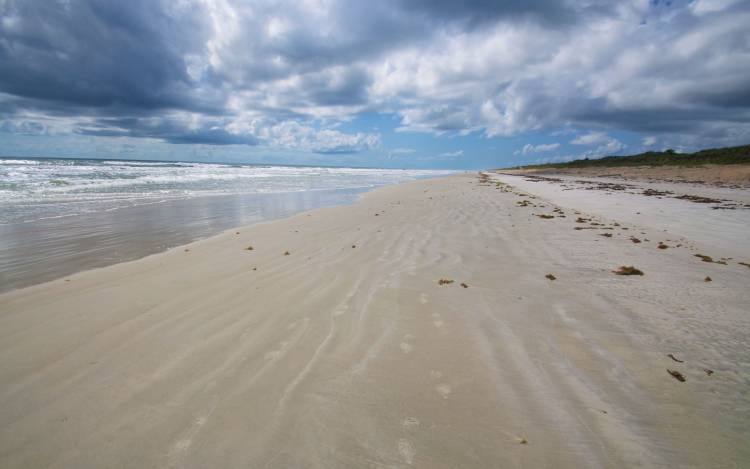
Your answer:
<point x="98" y="54"/>
<point x="661" y="120"/>
<point x="238" y="72"/>
<point x="729" y="95"/>
<point x="131" y="55"/>
<point x="337" y="86"/>
<point x="131" y="60"/>
<point x="168" y="130"/>
<point x="477" y="12"/>
<point x="311" y="39"/>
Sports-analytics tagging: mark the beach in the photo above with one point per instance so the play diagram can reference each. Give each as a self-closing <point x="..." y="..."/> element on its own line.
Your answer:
<point x="475" y="320"/>
<point x="49" y="248"/>
<point x="723" y="175"/>
<point x="62" y="216"/>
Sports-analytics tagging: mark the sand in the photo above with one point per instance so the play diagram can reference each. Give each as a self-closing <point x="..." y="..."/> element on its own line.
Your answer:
<point x="734" y="175"/>
<point x="49" y="248"/>
<point x="347" y="352"/>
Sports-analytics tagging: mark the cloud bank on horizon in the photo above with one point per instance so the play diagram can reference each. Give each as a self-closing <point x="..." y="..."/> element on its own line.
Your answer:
<point x="389" y="83"/>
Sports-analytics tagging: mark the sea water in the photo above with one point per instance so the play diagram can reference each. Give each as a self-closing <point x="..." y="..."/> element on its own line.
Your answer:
<point x="60" y="216"/>
<point x="33" y="189"/>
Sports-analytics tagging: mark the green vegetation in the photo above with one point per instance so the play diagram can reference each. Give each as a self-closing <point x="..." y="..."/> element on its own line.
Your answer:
<point x="728" y="155"/>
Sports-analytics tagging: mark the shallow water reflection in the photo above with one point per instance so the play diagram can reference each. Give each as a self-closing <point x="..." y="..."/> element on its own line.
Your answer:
<point x="44" y="250"/>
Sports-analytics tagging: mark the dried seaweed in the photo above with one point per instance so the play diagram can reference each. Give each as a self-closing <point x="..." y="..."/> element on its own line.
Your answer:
<point x="628" y="270"/>
<point x="705" y="258"/>
<point x="675" y="358"/>
<point x="677" y="375"/>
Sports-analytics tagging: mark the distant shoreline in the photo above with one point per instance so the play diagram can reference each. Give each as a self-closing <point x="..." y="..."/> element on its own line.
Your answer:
<point x="729" y="175"/>
<point x="709" y="156"/>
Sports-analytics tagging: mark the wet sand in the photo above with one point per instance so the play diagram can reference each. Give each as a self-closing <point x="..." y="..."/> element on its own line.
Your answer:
<point x="48" y="249"/>
<point x="332" y="342"/>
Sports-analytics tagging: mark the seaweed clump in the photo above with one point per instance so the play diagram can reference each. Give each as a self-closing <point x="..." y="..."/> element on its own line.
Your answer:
<point x="628" y="270"/>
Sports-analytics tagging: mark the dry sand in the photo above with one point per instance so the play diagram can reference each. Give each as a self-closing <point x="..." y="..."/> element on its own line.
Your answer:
<point x="348" y="353"/>
<point x="714" y="174"/>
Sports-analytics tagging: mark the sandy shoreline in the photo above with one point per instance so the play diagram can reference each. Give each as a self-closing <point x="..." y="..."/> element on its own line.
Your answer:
<point x="726" y="175"/>
<point x="42" y="250"/>
<point x="348" y="353"/>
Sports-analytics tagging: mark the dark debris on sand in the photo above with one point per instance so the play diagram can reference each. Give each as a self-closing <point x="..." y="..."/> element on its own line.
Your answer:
<point x="670" y="355"/>
<point x="677" y="375"/>
<point x="705" y="258"/>
<point x="627" y="270"/>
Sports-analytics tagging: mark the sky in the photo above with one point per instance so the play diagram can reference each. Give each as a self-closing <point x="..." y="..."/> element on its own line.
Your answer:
<point x="387" y="83"/>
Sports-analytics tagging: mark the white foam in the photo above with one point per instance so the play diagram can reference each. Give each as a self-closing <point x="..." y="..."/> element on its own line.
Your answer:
<point x="35" y="189"/>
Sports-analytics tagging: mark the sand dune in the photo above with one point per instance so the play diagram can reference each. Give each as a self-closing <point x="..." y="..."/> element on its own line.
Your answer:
<point x="347" y="352"/>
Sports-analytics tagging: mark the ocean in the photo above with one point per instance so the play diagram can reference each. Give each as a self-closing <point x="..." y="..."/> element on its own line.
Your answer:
<point x="33" y="189"/>
<point x="60" y="216"/>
